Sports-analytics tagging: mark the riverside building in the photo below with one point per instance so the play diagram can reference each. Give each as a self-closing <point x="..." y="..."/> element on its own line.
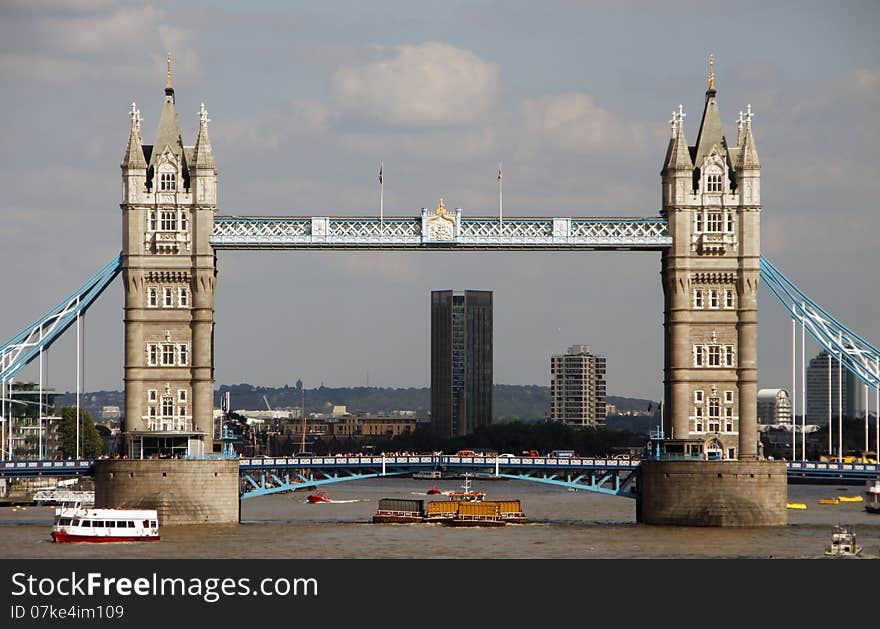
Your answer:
<point x="577" y="387"/>
<point x="461" y="361"/>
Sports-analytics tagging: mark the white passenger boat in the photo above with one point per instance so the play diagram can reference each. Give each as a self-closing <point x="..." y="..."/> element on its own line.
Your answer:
<point x="73" y="523"/>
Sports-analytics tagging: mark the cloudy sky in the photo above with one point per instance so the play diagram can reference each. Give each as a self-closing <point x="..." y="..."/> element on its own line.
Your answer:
<point x="307" y="98"/>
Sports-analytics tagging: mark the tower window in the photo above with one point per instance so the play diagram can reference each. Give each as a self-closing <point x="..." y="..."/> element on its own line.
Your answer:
<point x="183" y="298"/>
<point x="713" y="356"/>
<point x="167" y="406"/>
<point x="181" y="395"/>
<point x="730" y="222"/>
<point x="184" y="221"/>
<point x="698" y="298"/>
<point x="168" y="181"/>
<point x="728" y="397"/>
<point x="714" y="222"/>
<point x="152" y="395"/>
<point x="152" y="221"/>
<point x="183" y="353"/>
<point x="698" y="396"/>
<point x="698" y="355"/>
<point x="152" y="355"/>
<point x="168" y="221"/>
<point x="713" y="183"/>
<point x="698" y="222"/>
<point x="714" y="415"/>
<point x="728" y="299"/>
<point x="152" y="297"/>
<point x="167" y="354"/>
<point x="728" y="355"/>
<point x="167" y="298"/>
<point x="713" y="298"/>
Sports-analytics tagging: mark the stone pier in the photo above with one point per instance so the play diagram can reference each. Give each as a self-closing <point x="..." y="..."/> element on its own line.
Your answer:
<point x="182" y="491"/>
<point x="713" y="493"/>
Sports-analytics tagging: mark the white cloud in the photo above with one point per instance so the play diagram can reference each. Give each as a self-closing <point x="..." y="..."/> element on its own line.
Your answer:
<point x="431" y="84"/>
<point x="574" y="122"/>
<point x="92" y="40"/>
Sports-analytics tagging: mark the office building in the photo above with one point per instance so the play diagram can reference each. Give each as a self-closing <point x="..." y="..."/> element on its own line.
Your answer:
<point x="846" y="392"/>
<point x="461" y="361"/>
<point x="577" y="387"/>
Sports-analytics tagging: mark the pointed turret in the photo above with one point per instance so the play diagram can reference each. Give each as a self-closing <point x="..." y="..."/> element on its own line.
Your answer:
<point x="203" y="155"/>
<point x="678" y="157"/>
<point x="678" y="168"/>
<point x="203" y="169"/>
<point x="748" y="166"/>
<point x="133" y="158"/>
<point x="134" y="166"/>
<point x="168" y="137"/>
<point x="711" y="131"/>
<point x="748" y="154"/>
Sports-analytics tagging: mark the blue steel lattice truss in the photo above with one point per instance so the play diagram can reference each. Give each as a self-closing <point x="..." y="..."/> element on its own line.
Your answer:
<point x="22" y="348"/>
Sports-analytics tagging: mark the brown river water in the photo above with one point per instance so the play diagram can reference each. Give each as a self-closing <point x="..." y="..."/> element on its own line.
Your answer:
<point x="561" y="525"/>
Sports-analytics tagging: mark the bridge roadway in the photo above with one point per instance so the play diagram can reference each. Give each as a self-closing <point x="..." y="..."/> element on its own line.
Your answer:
<point x="268" y="475"/>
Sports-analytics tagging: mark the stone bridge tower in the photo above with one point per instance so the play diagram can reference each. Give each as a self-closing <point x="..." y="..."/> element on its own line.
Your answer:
<point x="711" y="198"/>
<point x="169" y="197"/>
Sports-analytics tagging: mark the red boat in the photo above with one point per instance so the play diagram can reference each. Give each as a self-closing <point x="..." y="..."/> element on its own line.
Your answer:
<point x="433" y="491"/>
<point x="319" y="496"/>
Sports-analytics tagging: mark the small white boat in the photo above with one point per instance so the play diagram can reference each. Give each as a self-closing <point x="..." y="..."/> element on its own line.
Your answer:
<point x="73" y="523"/>
<point x="872" y="496"/>
<point x="843" y="542"/>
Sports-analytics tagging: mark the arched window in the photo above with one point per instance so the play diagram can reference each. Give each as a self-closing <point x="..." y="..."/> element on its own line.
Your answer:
<point x="167" y="181"/>
<point x="168" y="221"/>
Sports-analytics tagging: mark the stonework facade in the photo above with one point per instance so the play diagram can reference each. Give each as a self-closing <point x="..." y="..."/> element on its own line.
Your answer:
<point x="169" y="272"/>
<point x="711" y="198"/>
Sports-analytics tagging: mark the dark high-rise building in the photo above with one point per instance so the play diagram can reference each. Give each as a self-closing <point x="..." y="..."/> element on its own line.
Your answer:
<point x="461" y="361"/>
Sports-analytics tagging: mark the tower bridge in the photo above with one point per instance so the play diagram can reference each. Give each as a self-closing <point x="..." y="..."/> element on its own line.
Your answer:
<point x="707" y="233"/>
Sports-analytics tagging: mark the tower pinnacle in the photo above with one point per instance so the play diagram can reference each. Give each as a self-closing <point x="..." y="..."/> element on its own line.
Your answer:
<point x="711" y="72"/>
<point x="168" y="84"/>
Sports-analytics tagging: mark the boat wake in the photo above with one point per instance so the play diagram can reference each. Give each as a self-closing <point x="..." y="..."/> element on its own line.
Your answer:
<point x="338" y="502"/>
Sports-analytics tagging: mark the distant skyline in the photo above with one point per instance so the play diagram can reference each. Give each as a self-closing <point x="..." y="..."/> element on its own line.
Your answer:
<point x="307" y="100"/>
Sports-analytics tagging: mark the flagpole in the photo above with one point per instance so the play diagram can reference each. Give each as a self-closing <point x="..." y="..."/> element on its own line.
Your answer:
<point x="381" y="193"/>
<point x="500" y="198"/>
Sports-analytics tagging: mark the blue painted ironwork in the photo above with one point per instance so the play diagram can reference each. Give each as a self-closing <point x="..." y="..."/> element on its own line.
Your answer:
<point x="579" y="473"/>
<point x="260" y="232"/>
<point x="22" y="348"/>
<point x="856" y="354"/>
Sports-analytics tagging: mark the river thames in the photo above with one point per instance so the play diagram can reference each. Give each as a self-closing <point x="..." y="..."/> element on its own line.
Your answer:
<point x="561" y="525"/>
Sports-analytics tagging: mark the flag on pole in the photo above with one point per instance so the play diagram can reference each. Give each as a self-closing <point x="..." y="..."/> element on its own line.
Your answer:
<point x="380" y="172"/>
<point x="499" y="173"/>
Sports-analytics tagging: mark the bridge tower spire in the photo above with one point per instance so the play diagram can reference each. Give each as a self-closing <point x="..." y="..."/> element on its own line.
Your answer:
<point x="711" y="199"/>
<point x="169" y="271"/>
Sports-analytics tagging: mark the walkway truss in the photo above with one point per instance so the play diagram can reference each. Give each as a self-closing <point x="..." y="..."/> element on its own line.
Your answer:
<point x="22" y="348"/>
<point x="232" y="232"/>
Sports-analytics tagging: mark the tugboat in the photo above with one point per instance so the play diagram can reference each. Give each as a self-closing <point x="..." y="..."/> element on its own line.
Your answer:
<point x="872" y="496"/>
<point x="318" y="496"/>
<point x="843" y="542"/>
<point x="466" y="495"/>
